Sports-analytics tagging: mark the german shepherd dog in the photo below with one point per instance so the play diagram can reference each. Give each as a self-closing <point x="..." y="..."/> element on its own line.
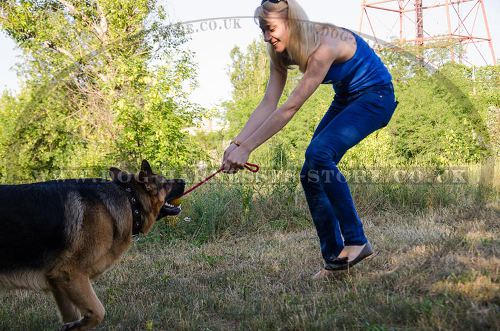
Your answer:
<point x="59" y="235"/>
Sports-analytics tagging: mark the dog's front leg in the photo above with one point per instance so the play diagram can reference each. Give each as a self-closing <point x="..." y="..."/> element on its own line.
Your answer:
<point x="68" y="310"/>
<point x="79" y="290"/>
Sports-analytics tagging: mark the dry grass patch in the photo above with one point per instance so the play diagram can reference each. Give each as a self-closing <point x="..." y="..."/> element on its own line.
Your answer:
<point x="433" y="271"/>
<point x="479" y="288"/>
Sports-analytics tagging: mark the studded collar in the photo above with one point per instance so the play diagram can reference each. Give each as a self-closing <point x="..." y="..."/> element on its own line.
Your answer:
<point x="137" y="209"/>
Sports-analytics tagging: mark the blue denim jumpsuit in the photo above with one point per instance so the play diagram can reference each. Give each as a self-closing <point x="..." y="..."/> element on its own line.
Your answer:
<point x="364" y="102"/>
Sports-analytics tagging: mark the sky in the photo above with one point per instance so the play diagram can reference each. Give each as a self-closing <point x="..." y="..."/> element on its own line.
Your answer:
<point x="213" y="39"/>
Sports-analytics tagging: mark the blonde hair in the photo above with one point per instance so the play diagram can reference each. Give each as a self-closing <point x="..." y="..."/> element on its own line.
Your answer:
<point x="304" y="36"/>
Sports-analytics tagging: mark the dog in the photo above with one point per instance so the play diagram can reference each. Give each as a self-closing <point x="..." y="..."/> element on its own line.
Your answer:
<point x="57" y="236"/>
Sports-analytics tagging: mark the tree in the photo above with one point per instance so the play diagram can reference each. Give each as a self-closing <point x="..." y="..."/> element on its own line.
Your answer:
<point x="437" y="121"/>
<point x="103" y="85"/>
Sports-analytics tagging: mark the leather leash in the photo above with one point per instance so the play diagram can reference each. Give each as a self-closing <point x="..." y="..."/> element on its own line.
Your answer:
<point x="252" y="167"/>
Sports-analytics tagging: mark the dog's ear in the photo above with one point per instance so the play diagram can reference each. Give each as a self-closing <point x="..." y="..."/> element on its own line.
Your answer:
<point x="142" y="177"/>
<point x="114" y="173"/>
<point x="146" y="168"/>
<point x="146" y="180"/>
<point x="118" y="175"/>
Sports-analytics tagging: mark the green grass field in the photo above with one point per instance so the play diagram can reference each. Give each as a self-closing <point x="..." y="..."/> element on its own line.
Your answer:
<point x="245" y="261"/>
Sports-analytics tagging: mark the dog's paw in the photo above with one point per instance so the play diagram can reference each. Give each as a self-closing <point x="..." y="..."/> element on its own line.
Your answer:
<point x="71" y="326"/>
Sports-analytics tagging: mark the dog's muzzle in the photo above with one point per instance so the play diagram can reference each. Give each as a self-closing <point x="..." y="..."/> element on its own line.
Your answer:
<point x="172" y="206"/>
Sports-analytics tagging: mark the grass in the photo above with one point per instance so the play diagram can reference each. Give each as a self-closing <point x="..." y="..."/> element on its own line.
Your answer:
<point x="245" y="257"/>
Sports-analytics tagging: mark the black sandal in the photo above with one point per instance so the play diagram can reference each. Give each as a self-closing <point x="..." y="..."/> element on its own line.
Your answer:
<point x="343" y="262"/>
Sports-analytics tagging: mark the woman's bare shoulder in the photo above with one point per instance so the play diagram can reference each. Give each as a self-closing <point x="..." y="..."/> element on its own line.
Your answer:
<point x="341" y="41"/>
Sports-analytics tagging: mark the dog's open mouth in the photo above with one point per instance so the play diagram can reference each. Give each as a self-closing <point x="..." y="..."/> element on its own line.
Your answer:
<point x="172" y="207"/>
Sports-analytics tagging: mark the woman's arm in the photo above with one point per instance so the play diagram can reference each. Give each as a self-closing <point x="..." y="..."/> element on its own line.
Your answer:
<point x="318" y="65"/>
<point x="274" y="89"/>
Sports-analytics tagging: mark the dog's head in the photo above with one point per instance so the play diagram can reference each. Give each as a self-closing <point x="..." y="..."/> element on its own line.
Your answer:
<point x="159" y="196"/>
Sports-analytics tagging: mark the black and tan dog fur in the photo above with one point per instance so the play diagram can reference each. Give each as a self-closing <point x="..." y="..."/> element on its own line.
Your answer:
<point x="59" y="235"/>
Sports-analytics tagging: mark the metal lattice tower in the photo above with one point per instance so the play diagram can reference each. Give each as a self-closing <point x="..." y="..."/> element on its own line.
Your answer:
<point x="461" y="26"/>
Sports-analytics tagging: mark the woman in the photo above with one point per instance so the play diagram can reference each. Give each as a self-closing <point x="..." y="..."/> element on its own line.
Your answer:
<point x="364" y="102"/>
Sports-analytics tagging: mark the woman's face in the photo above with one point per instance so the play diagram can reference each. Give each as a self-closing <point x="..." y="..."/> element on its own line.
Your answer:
<point x="275" y="30"/>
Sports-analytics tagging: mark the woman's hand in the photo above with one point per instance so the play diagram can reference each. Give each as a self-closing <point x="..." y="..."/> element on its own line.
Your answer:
<point x="235" y="159"/>
<point x="228" y="151"/>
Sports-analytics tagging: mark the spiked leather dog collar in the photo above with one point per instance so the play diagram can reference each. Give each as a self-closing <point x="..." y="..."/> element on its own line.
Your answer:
<point x="135" y="205"/>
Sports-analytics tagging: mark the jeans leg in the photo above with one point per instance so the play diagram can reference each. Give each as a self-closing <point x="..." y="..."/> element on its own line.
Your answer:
<point x="325" y="221"/>
<point x="322" y="213"/>
<point x="360" y="118"/>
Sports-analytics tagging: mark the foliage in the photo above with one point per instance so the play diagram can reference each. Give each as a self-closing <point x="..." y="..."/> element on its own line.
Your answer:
<point x="103" y="84"/>
<point x="437" y="121"/>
